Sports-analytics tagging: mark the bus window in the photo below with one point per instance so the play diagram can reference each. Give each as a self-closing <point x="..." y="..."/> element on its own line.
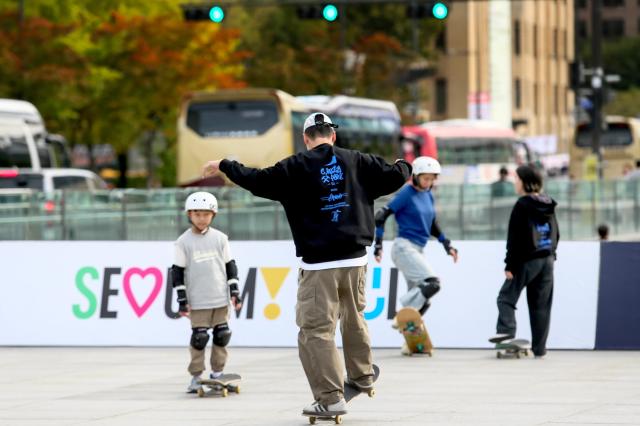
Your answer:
<point x="232" y="118"/>
<point x="616" y="134"/>
<point x="14" y="152"/>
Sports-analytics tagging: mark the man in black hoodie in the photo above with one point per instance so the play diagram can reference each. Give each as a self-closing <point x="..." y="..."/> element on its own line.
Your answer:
<point x="327" y="193"/>
<point x="531" y="250"/>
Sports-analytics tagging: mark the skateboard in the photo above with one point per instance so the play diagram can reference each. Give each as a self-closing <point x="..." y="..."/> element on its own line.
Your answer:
<point x="415" y="333"/>
<point x="220" y="386"/>
<point x="350" y="392"/>
<point x="512" y="348"/>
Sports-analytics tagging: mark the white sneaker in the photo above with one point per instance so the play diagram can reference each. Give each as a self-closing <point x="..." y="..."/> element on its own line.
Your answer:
<point x="194" y="385"/>
<point x="405" y="349"/>
<point x="318" y="409"/>
<point x="215" y="375"/>
<point x="394" y="324"/>
<point x="500" y="337"/>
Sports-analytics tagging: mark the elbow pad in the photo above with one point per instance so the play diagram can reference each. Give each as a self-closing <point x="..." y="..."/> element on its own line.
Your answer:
<point x="177" y="282"/>
<point x="381" y="216"/>
<point x="232" y="272"/>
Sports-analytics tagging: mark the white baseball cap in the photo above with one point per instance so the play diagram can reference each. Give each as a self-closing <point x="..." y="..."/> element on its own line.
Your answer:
<point x="318" y="119"/>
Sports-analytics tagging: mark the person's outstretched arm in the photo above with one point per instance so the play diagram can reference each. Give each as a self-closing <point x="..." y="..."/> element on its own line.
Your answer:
<point x="269" y="182"/>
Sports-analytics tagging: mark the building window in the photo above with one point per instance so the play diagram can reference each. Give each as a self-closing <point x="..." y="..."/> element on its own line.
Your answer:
<point x="536" y="108"/>
<point x="517" y="92"/>
<point x="582" y="29"/>
<point x="516" y="37"/>
<point x="441" y="96"/>
<point x="555" y="43"/>
<point x="612" y="28"/>
<point x="556" y="100"/>
<point x="535" y="40"/>
<point x="582" y="4"/>
<point x="613" y="3"/>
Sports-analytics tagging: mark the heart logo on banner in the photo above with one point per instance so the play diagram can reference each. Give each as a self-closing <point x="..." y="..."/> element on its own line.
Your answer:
<point x="137" y="308"/>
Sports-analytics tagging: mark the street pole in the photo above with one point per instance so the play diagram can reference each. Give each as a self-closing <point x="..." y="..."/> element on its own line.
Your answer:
<point x="416" y="46"/>
<point x="597" y="80"/>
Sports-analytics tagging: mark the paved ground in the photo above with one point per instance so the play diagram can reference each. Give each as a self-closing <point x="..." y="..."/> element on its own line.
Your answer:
<point x="133" y="386"/>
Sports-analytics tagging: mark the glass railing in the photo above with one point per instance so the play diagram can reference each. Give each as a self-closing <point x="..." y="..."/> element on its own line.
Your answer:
<point x="468" y="212"/>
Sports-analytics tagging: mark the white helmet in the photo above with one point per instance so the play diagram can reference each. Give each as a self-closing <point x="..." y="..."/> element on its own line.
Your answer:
<point x="201" y="201"/>
<point x="426" y="165"/>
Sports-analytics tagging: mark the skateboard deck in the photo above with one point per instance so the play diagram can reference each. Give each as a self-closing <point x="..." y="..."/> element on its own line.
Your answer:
<point x="220" y="386"/>
<point x="415" y="333"/>
<point x="350" y="392"/>
<point x="512" y="348"/>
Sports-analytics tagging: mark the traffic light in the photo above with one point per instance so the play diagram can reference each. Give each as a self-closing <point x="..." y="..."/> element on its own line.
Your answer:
<point x="428" y="9"/>
<point x="328" y="12"/>
<point x="203" y="12"/>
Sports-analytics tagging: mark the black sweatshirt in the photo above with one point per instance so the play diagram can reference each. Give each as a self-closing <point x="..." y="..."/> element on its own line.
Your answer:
<point x="533" y="231"/>
<point x="327" y="194"/>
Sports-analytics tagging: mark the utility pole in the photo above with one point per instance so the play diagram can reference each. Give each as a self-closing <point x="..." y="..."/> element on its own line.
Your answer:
<point x="597" y="80"/>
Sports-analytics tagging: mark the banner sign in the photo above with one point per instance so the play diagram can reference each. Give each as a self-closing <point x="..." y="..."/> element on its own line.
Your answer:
<point x="117" y="293"/>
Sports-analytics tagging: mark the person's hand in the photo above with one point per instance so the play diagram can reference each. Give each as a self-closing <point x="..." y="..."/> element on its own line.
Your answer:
<point x="210" y="168"/>
<point x="508" y="274"/>
<point x="453" y="253"/>
<point x="450" y="250"/>
<point x="236" y="302"/>
<point x="184" y="311"/>
<point x="377" y="249"/>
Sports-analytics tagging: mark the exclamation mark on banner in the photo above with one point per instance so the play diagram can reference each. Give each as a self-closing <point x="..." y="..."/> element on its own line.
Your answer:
<point x="273" y="278"/>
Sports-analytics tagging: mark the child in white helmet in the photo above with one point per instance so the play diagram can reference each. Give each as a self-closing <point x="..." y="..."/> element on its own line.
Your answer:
<point x="414" y="209"/>
<point x="206" y="280"/>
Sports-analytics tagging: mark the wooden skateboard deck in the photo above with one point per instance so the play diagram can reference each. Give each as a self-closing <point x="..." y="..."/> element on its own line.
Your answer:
<point x="350" y="392"/>
<point x="415" y="333"/>
<point x="512" y="348"/>
<point x="220" y="386"/>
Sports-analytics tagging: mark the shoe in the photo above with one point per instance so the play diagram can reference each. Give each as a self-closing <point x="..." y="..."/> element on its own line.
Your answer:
<point x="194" y="385"/>
<point x="405" y="349"/>
<point x="501" y="337"/>
<point x="394" y="324"/>
<point x="316" y="408"/>
<point x="215" y="375"/>
<point x="362" y="387"/>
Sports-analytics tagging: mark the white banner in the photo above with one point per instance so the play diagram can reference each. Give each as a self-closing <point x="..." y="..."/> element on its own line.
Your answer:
<point x="116" y="293"/>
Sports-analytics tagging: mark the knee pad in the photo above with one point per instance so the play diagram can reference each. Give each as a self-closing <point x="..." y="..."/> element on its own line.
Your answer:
<point x="431" y="287"/>
<point x="221" y="334"/>
<point x="199" y="338"/>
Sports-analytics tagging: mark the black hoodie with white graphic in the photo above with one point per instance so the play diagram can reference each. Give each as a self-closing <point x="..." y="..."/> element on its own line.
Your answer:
<point x="533" y="230"/>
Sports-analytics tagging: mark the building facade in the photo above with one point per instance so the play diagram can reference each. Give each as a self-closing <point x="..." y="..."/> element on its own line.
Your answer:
<point x="538" y="45"/>
<point x="620" y="18"/>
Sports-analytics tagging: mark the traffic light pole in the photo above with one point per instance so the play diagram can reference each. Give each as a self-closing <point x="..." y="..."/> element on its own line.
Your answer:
<point x="597" y="80"/>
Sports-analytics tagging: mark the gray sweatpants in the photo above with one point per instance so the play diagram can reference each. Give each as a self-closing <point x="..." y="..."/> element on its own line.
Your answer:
<point x="409" y="259"/>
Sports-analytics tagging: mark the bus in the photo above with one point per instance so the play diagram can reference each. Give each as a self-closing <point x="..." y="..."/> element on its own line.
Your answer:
<point x="259" y="127"/>
<point x="620" y="143"/>
<point x="470" y="151"/>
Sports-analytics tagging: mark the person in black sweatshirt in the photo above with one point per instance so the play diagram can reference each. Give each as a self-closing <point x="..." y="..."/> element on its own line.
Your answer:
<point x="531" y="251"/>
<point x="327" y="193"/>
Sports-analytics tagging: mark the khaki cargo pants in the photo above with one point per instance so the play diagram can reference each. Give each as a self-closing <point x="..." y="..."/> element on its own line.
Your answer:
<point x="325" y="296"/>
<point x="208" y="318"/>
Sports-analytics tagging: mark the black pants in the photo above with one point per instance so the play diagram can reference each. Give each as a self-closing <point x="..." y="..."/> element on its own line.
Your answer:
<point x="537" y="276"/>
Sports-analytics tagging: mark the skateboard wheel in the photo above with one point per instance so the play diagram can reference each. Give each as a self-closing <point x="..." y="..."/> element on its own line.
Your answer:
<point x="225" y="392"/>
<point x="200" y="392"/>
<point x="312" y="420"/>
<point x="498" y="355"/>
<point x="371" y="393"/>
<point x="338" y="420"/>
<point x="237" y="389"/>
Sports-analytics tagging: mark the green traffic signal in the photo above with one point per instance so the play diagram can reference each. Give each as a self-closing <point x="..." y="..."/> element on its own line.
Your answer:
<point x="216" y="14"/>
<point x="330" y="13"/>
<point x="440" y="10"/>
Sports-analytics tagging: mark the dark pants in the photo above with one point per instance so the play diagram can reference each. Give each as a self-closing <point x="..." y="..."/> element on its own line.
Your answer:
<point x="537" y="276"/>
